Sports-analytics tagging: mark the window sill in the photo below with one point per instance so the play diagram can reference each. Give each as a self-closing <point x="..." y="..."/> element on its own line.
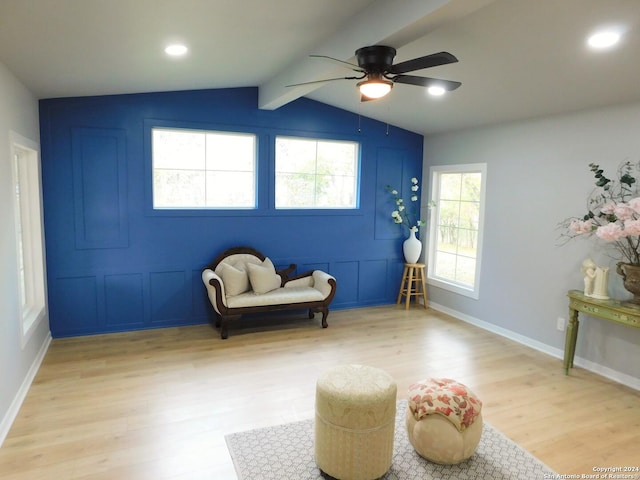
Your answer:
<point x="31" y="318"/>
<point x="454" y="287"/>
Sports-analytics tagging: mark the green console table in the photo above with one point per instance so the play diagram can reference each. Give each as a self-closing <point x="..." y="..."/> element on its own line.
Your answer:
<point x="613" y="310"/>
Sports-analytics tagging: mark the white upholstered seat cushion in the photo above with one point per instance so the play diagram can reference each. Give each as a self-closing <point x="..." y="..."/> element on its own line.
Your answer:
<point x="279" y="296"/>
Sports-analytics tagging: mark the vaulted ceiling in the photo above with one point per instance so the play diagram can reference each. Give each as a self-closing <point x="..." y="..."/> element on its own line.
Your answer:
<point x="517" y="58"/>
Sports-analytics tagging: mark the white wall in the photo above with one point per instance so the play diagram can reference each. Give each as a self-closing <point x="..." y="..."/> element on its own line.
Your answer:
<point x="18" y="113"/>
<point x="538" y="175"/>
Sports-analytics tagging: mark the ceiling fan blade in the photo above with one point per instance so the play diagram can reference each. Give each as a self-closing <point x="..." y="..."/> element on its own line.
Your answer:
<point x="323" y="81"/>
<point x="341" y="62"/>
<point x="448" y="85"/>
<point x="427" y="61"/>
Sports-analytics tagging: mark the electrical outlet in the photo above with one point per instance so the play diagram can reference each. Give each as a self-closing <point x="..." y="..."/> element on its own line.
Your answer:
<point x="561" y="324"/>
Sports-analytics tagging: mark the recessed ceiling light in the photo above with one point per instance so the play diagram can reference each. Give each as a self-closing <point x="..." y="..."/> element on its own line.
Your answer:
<point x="176" y="50"/>
<point x="436" y="90"/>
<point x="604" y="39"/>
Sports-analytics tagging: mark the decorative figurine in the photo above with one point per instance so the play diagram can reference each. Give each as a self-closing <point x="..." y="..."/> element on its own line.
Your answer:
<point x="595" y="280"/>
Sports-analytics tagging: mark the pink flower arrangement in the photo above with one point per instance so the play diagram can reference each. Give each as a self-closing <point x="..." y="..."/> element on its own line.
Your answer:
<point x="614" y="212"/>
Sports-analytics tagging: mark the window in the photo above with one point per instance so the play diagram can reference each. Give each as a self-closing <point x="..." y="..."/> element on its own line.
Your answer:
<point x="316" y="173"/>
<point x="455" y="233"/>
<point x="203" y="169"/>
<point x="29" y="234"/>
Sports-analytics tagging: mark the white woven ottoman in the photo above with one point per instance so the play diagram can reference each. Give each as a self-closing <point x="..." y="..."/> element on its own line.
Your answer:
<point x="355" y="420"/>
<point x="444" y="420"/>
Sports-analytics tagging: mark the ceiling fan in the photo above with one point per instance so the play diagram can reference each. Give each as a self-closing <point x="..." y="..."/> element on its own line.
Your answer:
<point x="379" y="74"/>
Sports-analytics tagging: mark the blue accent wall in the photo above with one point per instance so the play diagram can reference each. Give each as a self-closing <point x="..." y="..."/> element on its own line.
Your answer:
<point x="115" y="264"/>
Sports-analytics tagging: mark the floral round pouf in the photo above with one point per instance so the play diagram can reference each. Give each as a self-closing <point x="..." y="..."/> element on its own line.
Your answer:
<point x="444" y="420"/>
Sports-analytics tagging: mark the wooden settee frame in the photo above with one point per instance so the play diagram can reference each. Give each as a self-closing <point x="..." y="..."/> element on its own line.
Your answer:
<point x="225" y="314"/>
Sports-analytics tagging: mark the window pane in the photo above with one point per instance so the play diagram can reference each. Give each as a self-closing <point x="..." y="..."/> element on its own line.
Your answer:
<point x="336" y="158"/>
<point x="447" y="238"/>
<point x="450" y="186"/>
<point x="334" y="191"/>
<point x="230" y="152"/>
<point x="471" y="183"/>
<point x="467" y="242"/>
<point x="454" y="247"/>
<point x="178" y="149"/>
<point x="20" y="202"/>
<point x="29" y="235"/>
<point x="179" y="188"/>
<point x="295" y="155"/>
<point x="448" y="213"/>
<point x="316" y="173"/>
<point x="469" y="215"/>
<point x="466" y="271"/>
<point x="445" y="265"/>
<point x="230" y="187"/>
<point x="295" y="190"/>
<point x="203" y="169"/>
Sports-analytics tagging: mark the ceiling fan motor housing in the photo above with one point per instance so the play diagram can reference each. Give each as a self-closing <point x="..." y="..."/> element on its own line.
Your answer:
<point x="375" y="59"/>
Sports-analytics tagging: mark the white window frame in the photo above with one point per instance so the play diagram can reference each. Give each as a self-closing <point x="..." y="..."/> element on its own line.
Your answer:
<point x="356" y="176"/>
<point x="29" y="230"/>
<point x="252" y="186"/>
<point x="432" y="279"/>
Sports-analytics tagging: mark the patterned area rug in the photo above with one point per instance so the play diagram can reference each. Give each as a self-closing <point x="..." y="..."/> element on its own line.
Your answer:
<point x="285" y="452"/>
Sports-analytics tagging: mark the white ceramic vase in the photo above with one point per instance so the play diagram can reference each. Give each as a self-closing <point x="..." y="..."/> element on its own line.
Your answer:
<point x="412" y="247"/>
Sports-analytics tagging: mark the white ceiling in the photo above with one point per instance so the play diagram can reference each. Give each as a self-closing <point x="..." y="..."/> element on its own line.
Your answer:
<point x="518" y="58"/>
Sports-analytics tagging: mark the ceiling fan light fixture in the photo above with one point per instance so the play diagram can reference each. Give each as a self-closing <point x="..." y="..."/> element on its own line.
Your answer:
<point x="375" y="87"/>
<point x="604" y="39"/>
<point x="436" y="90"/>
<point x="176" y="50"/>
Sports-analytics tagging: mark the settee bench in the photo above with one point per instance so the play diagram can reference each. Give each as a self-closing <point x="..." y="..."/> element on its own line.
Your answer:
<point x="241" y="280"/>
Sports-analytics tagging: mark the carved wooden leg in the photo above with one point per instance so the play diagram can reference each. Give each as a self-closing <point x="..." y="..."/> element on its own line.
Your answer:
<point x="325" y="314"/>
<point x="574" y="338"/>
<point x="570" y="340"/>
<point x="224" y="333"/>
<point x="223" y="329"/>
<point x="311" y="313"/>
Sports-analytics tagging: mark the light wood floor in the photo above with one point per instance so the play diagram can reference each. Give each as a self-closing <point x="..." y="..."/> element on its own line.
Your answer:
<point x="157" y="404"/>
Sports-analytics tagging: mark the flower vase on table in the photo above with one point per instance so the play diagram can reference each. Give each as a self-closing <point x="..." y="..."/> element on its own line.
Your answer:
<point x="614" y="216"/>
<point x="631" y="279"/>
<point x="408" y="217"/>
<point x="412" y="247"/>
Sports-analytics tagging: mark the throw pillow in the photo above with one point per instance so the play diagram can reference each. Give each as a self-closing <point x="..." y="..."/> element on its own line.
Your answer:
<point x="235" y="279"/>
<point x="263" y="277"/>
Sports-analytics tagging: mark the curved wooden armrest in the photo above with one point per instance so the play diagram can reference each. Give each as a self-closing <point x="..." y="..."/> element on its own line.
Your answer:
<point x="284" y="273"/>
<point x="216" y="283"/>
<point x="308" y="273"/>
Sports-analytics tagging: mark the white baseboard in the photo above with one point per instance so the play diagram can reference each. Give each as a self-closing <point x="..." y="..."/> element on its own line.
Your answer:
<point x="606" y="372"/>
<point x="14" y="408"/>
<point x="609" y="373"/>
